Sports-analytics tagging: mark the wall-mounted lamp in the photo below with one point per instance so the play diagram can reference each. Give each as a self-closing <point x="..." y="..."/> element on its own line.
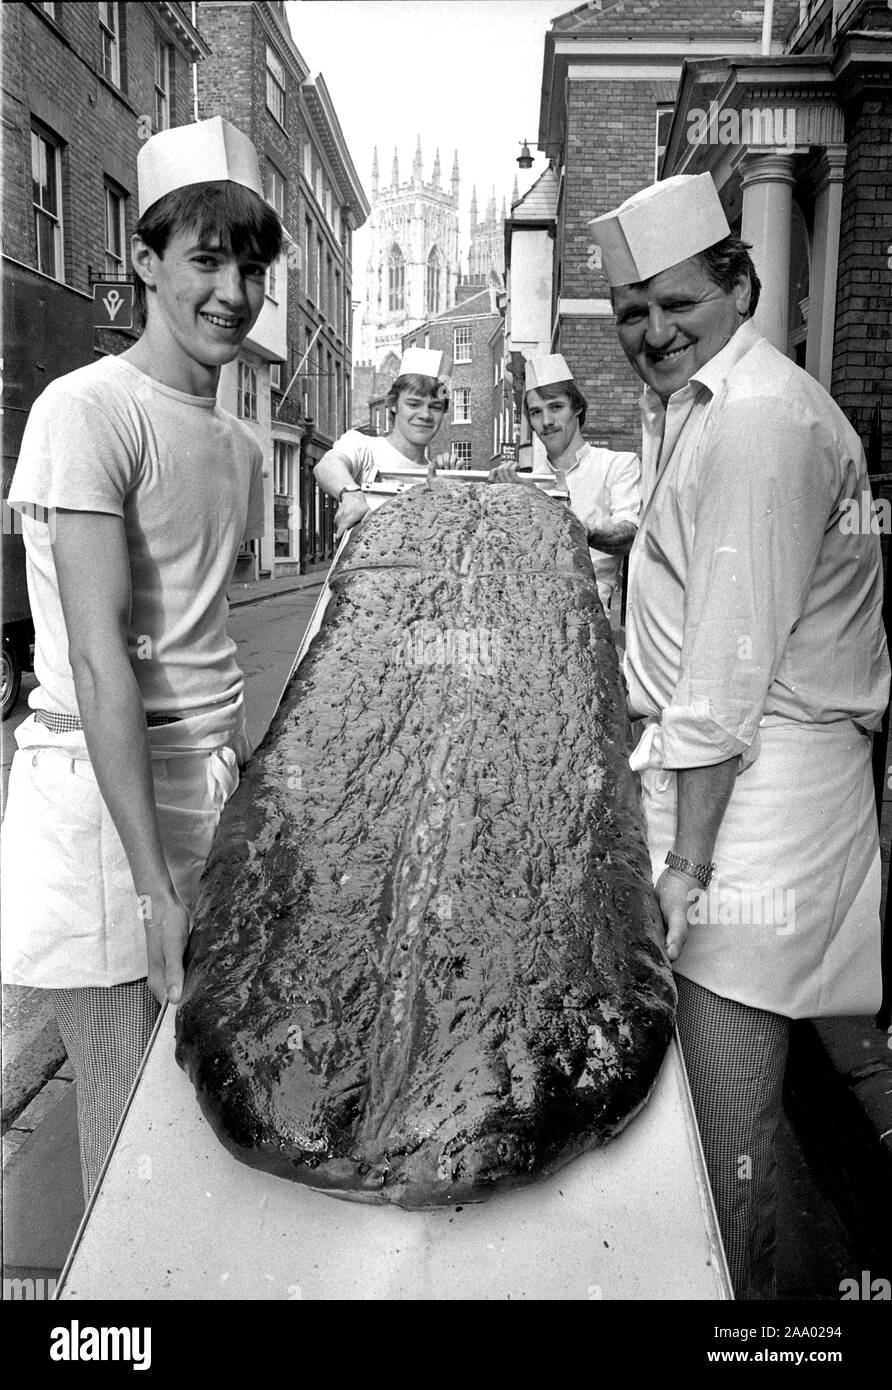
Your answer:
<point x="525" y="159"/>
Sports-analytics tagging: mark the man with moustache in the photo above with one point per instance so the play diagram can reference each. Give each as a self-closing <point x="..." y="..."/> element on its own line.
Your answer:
<point x="602" y="485"/>
<point x="755" y="653"/>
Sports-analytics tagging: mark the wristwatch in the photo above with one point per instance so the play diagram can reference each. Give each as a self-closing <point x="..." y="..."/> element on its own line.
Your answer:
<point x="701" y="872"/>
<point x="348" y="487"/>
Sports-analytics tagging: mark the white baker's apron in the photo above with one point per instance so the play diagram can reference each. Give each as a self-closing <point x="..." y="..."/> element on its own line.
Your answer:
<point x="791" y="921"/>
<point x="71" y="917"/>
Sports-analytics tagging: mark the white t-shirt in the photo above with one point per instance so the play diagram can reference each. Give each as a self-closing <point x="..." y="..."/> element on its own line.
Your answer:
<point x="365" y="454"/>
<point x="604" y="487"/>
<point x="186" y="478"/>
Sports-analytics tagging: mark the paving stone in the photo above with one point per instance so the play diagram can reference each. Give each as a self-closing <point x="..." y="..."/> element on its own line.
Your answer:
<point x="45" y="1101"/>
<point x="13" y="1140"/>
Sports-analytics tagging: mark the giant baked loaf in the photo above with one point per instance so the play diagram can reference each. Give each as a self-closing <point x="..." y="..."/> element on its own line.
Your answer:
<point x="427" y="963"/>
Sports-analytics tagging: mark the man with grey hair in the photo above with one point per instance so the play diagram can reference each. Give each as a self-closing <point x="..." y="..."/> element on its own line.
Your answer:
<point x="756" y="657"/>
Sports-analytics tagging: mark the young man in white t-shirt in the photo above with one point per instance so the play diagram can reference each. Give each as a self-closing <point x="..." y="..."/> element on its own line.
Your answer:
<point x="137" y="491"/>
<point x="603" y="485"/>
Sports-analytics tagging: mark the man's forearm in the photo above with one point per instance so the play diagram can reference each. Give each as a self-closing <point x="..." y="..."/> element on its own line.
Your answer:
<point x="703" y="796"/>
<point x="614" y="539"/>
<point x="332" y="474"/>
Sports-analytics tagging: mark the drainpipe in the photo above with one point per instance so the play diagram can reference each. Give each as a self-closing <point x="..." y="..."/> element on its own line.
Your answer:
<point x="194" y="67"/>
<point x="767" y="26"/>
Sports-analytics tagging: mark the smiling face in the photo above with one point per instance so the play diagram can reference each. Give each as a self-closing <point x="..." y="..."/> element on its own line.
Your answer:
<point x="672" y="325"/>
<point x="202" y="303"/>
<point x="416" y="419"/>
<point x="555" y="420"/>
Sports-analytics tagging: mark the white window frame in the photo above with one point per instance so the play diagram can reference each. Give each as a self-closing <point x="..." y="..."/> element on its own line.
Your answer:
<point x="54" y="218"/>
<point x="115" y="205"/>
<point x="663" y="110"/>
<point x="462" y="450"/>
<point x="275" y="196"/>
<point x="247" y="391"/>
<point x="275" y="189"/>
<point x="283" y="468"/>
<point x="461" y="340"/>
<point x="461" y="394"/>
<point x="275" y="85"/>
<point x="110" y="38"/>
<point x="275" y="376"/>
<point x="49" y="9"/>
<point x="162" y="83"/>
<point x="308" y="245"/>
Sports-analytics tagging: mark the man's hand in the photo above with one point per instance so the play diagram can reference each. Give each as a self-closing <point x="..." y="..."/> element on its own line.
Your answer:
<point x="352" y="509"/>
<point x="448" y="460"/>
<point x="614" y="538"/>
<point x="676" y="894"/>
<point x="507" y="473"/>
<point x="167" y="931"/>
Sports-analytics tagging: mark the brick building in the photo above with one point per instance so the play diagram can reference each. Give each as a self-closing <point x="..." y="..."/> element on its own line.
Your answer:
<point x="83" y="85"/>
<point x="478" y="423"/>
<point x="610" y="79"/>
<point x="294" y="380"/>
<point x="797" y="141"/>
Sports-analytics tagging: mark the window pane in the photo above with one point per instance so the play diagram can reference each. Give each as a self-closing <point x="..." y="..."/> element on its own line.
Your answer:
<point x="46" y="245"/>
<point x="113" y="209"/>
<point x="43" y="174"/>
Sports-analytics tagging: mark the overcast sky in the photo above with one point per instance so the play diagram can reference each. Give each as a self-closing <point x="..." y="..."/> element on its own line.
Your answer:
<point x="463" y="74"/>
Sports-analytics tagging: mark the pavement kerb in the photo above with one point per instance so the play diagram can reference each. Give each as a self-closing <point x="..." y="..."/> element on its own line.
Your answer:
<point x="260" y="589"/>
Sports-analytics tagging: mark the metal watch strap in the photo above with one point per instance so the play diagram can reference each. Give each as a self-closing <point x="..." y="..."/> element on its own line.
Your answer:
<point x="348" y="487"/>
<point x="701" y="872"/>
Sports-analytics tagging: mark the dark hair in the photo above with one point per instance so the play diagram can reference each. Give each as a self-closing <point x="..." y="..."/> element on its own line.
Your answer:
<point x="560" y="388"/>
<point x="241" y="221"/>
<point x="432" y="387"/>
<point x="727" y="260"/>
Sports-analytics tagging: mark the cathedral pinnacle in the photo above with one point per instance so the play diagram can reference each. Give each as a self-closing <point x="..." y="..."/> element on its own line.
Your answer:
<point x="416" y="162"/>
<point x="455" y="179"/>
<point x="435" y="176"/>
<point x="395" y="172"/>
<point x="375" y="171"/>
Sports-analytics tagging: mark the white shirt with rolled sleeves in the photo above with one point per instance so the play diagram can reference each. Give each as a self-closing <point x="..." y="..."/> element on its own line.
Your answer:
<point x="603" y="487"/>
<point x="754" y="630"/>
<point x="747" y="599"/>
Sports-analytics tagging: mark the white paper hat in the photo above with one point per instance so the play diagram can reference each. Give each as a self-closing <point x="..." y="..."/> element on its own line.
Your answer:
<point x="545" y="371"/>
<point x="658" y="227"/>
<point x="426" y="362"/>
<point x="201" y="152"/>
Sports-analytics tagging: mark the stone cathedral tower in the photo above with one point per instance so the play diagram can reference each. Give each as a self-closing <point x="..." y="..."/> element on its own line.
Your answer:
<point x="413" y="264"/>
<point x="486" y="259"/>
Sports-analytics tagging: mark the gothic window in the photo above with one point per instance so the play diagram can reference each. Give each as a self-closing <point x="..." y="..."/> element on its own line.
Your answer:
<point x="434" y="267"/>
<point x="396" y="266"/>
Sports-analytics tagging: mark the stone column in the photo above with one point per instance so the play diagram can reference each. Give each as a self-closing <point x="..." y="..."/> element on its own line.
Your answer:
<point x="767" y="185"/>
<point x="829" y="176"/>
